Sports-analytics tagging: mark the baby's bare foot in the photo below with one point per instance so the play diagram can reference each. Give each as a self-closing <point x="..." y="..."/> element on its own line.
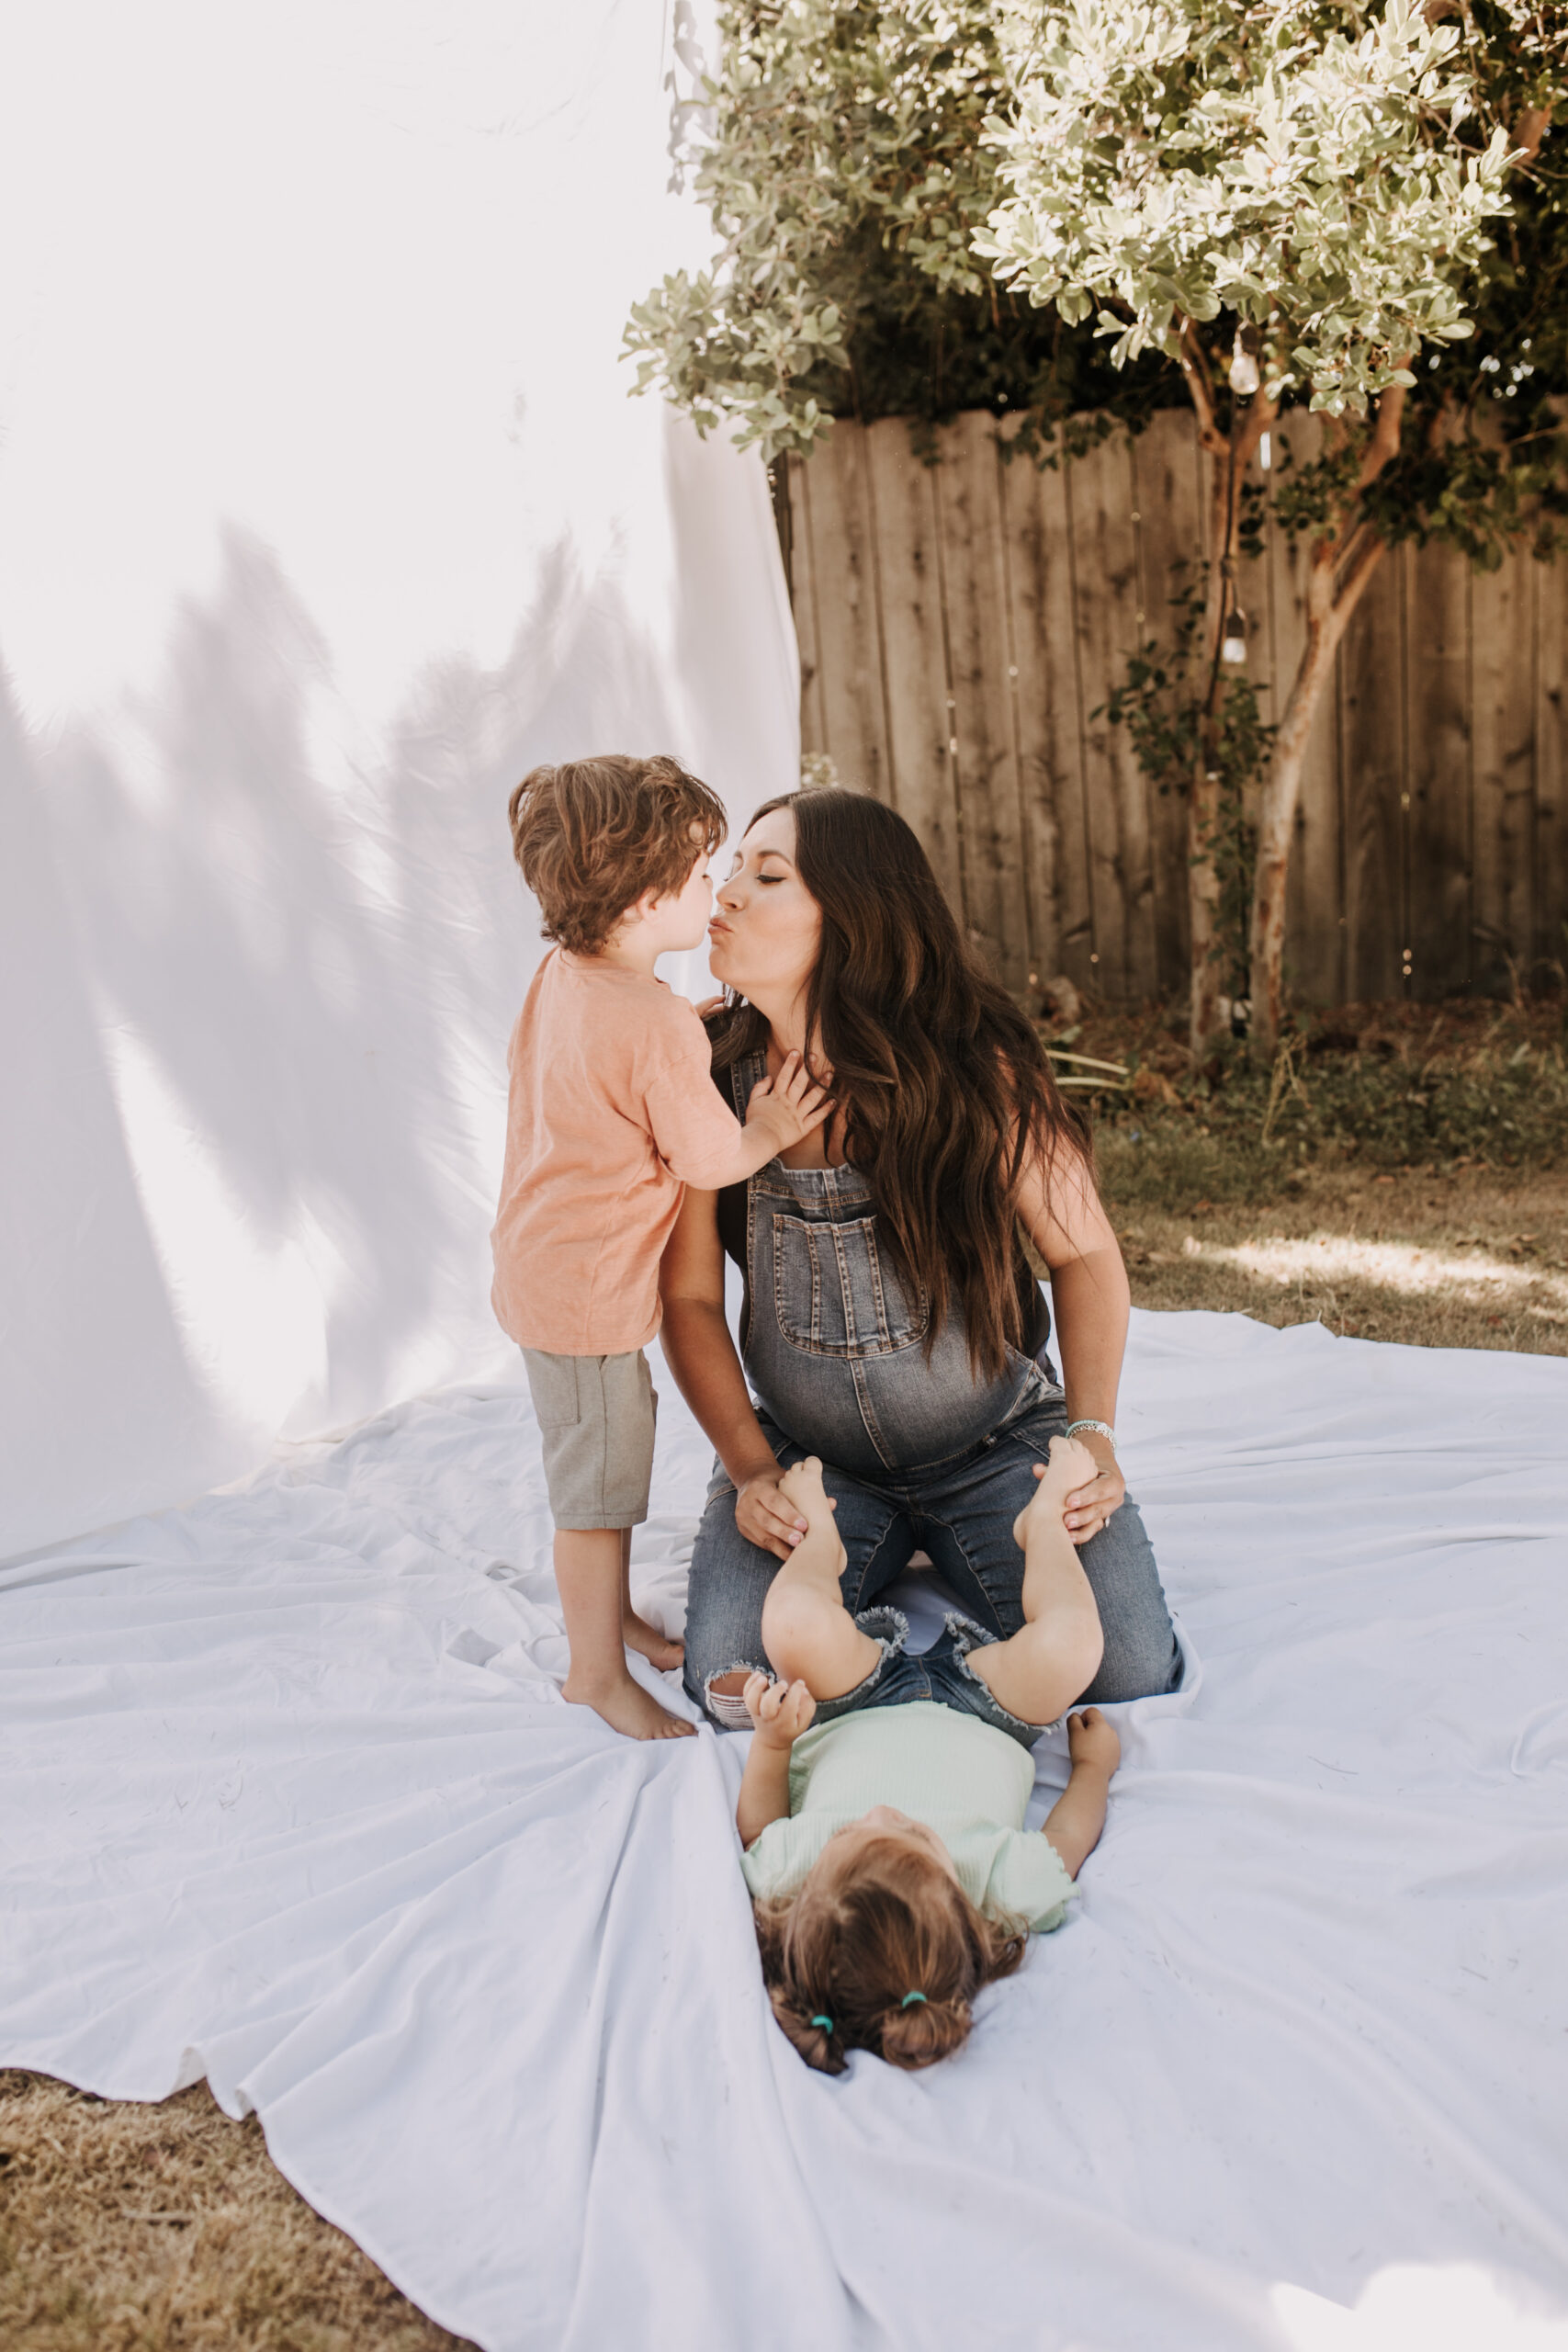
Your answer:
<point x="1070" y="1467"/>
<point x="649" y="1642"/>
<point x="802" y="1485"/>
<point x="626" y="1707"/>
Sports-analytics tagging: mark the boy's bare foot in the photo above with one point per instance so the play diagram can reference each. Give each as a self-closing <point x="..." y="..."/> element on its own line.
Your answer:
<point x="1071" y="1465"/>
<point x="649" y="1642"/>
<point x="626" y="1707"/>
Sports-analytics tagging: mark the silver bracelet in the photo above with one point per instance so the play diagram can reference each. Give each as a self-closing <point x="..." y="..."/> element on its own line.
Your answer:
<point x="1102" y="1428"/>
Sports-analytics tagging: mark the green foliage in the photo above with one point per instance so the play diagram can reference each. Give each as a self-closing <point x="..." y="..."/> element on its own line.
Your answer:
<point x="850" y="171"/>
<point x="1161" y="704"/>
<point x="844" y="133"/>
<point x="847" y="177"/>
<point x="1300" y="164"/>
<point x="1380" y="1109"/>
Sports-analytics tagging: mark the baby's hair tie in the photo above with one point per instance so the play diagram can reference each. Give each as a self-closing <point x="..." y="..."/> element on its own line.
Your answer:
<point x="825" y="2023"/>
<point x="909" y="1997"/>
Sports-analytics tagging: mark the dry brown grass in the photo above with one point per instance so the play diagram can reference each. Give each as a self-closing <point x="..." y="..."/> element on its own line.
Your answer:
<point x="166" y="2229"/>
<point x="1463" y="1261"/>
<point x="1401" y="1175"/>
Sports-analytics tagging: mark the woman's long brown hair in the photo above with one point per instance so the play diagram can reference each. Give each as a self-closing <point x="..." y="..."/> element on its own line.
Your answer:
<point x="945" y="1089"/>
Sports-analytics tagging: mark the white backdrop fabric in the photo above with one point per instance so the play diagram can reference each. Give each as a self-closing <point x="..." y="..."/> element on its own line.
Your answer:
<point x="324" y="512"/>
<point x="288" y="1798"/>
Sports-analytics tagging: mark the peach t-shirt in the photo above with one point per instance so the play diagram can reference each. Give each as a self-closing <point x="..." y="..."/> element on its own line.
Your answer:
<point x="612" y="1112"/>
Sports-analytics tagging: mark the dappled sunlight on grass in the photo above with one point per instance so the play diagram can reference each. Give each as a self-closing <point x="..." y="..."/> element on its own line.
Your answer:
<point x="1457" y="1262"/>
<point x="1408" y="1184"/>
<point x="1391" y="1265"/>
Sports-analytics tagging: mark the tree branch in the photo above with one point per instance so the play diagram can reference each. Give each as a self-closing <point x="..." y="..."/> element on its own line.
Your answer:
<point x="1530" y="130"/>
<point x="1195" y="368"/>
<point x="1385" y="443"/>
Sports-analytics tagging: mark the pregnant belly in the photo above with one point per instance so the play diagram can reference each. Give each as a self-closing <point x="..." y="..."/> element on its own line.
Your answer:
<point x="881" y="1414"/>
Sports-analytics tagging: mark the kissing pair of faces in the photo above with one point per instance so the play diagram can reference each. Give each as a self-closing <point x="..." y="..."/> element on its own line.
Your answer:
<point x="766" y="929"/>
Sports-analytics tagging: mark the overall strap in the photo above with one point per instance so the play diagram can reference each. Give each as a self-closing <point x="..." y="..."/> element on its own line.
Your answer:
<point x="743" y="1074"/>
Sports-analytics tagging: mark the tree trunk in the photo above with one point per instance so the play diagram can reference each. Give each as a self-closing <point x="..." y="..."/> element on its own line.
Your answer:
<point x="1327" y="614"/>
<point x="1341" y="566"/>
<point x="1231" y="452"/>
<point x="1202" y="906"/>
<point x="1203" y="796"/>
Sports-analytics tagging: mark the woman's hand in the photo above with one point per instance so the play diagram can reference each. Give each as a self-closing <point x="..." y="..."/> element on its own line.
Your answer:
<point x="1087" y="1508"/>
<point x="766" y="1516"/>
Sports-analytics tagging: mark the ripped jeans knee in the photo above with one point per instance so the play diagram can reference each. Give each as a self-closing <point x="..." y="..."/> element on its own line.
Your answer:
<point x="728" y="1708"/>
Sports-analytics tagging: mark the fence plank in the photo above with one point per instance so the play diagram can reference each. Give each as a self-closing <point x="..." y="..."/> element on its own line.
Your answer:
<point x="986" y="767"/>
<point x="1105" y="596"/>
<point x="920" y="717"/>
<point x="1372" y="755"/>
<point x="1050" y="747"/>
<point x="1551" y="700"/>
<point x="1437" y="685"/>
<point x="995" y="605"/>
<point x="814" y="728"/>
<point x="844" y="561"/>
<point x="1169" y="505"/>
<point x="1503" y="705"/>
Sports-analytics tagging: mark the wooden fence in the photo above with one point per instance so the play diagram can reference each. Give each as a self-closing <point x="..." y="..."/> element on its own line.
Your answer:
<point x="962" y="624"/>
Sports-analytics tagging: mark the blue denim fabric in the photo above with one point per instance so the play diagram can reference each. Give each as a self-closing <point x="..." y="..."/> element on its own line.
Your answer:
<point x="962" y="1513"/>
<point x="919" y="1452"/>
<point x="941" y="1676"/>
<point x="835" y="1349"/>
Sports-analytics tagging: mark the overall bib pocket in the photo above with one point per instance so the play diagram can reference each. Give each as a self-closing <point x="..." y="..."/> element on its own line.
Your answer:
<point x="834" y="1295"/>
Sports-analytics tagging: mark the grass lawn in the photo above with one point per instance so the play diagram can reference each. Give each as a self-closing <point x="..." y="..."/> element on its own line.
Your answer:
<point x="166" y="2229"/>
<point x="1401" y="1175"/>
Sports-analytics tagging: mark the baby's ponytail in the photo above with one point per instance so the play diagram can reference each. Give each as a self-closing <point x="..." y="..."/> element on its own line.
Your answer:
<point x="888" y="1958"/>
<point x="917" y="2034"/>
<point x="815" y="2037"/>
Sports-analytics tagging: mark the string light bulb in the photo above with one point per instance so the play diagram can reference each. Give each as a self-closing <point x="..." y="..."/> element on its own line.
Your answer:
<point x="1233" y="643"/>
<point x="1244" y="372"/>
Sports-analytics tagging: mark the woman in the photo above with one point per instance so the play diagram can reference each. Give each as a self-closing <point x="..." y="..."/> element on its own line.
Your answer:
<point x="891" y="1324"/>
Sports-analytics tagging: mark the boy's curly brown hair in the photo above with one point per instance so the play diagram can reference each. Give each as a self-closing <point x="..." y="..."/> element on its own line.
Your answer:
<point x="593" y="835"/>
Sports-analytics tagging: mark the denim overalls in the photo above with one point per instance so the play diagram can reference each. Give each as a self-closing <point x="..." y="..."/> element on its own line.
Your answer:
<point x="916" y="1453"/>
<point x="834" y="1346"/>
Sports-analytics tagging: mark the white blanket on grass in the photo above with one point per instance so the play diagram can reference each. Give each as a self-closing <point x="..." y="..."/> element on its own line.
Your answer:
<point x="290" y="1800"/>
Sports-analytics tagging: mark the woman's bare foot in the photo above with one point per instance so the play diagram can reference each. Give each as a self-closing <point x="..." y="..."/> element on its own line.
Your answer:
<point x="649" y="1642"/>
<point x="625" y="1706"/>
<point x="1071" y="1465"/>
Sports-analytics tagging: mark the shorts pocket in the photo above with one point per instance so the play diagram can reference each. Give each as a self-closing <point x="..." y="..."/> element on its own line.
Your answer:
<point x="552" y="1383"/>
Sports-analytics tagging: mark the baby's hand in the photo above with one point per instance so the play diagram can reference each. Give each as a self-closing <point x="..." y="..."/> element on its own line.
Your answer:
<point x="780" y="1712"/>
<point x="1091" y="1740"/>
<point x="789" y="1107"/>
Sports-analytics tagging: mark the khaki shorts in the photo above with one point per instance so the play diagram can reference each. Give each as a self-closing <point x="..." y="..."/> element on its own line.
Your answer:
<point x="595" y="1415"/>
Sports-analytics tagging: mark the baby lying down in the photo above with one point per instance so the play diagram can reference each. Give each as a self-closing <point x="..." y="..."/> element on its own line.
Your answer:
<point x="886" y="1849"/>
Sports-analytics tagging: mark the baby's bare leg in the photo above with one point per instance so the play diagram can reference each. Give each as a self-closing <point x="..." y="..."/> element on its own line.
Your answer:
<point x="1038" y="1673"/>
<point x="808" y="1633"/>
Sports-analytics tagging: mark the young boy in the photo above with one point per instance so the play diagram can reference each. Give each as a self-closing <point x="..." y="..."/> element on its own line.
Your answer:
<point x="612" y="1112"/>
